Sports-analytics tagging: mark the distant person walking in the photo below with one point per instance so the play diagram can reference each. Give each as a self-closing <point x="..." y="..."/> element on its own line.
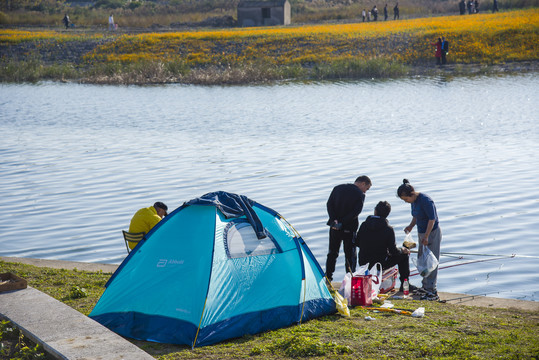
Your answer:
<point x="495" y="6"/>
<point x="396" y="14"/>
<point x="375" y="13"/>
<point x="462" y="7"/>
<point x="111" y="22"/>
<point x="385" y="12"/>
<point x="65" y="20"/>
<point x="445" y="50"/>
<point x="470" y="7"/>
<point x="438" y="52"/>
<point x="364" y="14"/>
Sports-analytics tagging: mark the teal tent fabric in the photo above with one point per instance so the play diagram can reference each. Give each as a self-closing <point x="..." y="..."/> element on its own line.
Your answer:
<point x="203" y="275"/>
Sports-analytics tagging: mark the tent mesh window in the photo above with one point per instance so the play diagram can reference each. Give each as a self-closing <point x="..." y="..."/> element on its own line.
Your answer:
<point x="241" y="241"/>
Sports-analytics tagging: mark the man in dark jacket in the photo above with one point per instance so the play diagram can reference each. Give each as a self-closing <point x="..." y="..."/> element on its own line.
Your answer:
<point x="376" y="241"/>
<point x="344" y="206"/>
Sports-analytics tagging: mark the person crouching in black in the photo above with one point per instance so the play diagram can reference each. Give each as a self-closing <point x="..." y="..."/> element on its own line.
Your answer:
<point x="376" y="242"/>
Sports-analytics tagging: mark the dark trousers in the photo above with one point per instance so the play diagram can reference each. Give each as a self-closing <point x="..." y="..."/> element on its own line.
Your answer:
<point x="402" y="261"/>
<point x="444" y="60"/>
<point x="350" y="253"/>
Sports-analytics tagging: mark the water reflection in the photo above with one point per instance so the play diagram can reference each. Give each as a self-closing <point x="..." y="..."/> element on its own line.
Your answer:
<point x="77" y="161"/>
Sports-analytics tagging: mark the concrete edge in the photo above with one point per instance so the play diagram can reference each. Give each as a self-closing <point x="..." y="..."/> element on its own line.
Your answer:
<point x="29" y="334"/>
<point x="64" y="332"/>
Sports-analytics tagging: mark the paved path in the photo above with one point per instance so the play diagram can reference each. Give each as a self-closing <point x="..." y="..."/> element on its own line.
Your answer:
<point x="63" y="331"/>
<point x="68" y="334"/>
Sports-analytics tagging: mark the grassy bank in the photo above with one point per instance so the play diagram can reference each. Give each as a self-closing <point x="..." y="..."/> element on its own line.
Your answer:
<point x="252" y="55"/>
<point x="447" y="331"/>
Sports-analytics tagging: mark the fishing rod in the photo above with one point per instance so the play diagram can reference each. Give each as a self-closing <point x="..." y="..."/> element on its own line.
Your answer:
<point x="460" y="256"/>
<point x="465" y="263"/>
<point x="496" y="255"/>
<point x="493" y="255"/>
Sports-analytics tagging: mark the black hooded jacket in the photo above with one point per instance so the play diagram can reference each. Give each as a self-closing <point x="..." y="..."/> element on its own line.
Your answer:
<point x="376" y="241"/>
<point x="344" y="205"/>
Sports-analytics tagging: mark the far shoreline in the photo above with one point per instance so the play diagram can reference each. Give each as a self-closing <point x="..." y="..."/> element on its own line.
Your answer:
<point x="414" y="72"/>
<point x="249" y="56"/>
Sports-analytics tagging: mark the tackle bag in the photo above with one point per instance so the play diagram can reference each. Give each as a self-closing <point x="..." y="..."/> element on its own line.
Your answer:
<point x="361" y="290"/>
<point x="375" y="274"/>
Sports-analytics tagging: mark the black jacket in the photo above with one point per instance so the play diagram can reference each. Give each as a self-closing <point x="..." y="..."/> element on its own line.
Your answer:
<point x="344" y="205"/>
<point x="376" y="241"/>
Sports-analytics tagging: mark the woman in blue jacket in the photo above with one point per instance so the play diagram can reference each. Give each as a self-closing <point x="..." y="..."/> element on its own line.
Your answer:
<point x="424" y="215"/>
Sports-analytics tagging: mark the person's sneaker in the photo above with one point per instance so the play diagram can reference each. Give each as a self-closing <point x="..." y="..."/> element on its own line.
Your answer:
<point x="430" y="296"/>
<point x="420" y="291"/>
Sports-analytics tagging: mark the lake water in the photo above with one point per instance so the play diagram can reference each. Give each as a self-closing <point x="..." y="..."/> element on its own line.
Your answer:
<point x="76" y="161"/>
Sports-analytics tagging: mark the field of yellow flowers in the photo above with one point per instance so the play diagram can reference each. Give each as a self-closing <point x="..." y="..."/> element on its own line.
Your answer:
<point x="479" y="38"/>
<point x="510" y="36"/>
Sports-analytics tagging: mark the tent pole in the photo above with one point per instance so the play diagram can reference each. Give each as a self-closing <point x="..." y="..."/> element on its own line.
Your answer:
<point x="199" y="323"/>
<point x="304" y="295"/>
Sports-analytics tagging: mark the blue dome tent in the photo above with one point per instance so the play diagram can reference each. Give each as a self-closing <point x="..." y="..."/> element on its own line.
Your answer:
<point x="218" y="267"/>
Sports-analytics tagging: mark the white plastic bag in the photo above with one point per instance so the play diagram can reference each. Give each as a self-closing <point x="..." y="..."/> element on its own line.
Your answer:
<point x="346" y="285"/>
<point x="376" y="272"/>
<point x="409" y="241"/>
<point x="426" y="263"/>
<point x="408" y="237"/>
<point x="419" y="312"/>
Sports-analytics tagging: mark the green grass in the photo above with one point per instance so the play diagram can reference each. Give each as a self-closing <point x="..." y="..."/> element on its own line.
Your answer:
<point x="446" y="332"/>
<point x="162" y="72"/>
<point x="34" y="70"/>
<point x="15" y="346"/>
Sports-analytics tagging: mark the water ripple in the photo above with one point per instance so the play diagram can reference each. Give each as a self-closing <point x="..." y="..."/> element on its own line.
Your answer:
<point x="76" y="161"/>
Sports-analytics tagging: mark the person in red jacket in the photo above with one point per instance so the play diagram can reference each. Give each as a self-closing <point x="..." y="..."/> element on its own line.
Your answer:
<point x="438" y="53"/>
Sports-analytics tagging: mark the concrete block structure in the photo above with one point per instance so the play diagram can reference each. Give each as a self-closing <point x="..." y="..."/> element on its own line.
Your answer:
<point x="263" y="13"/>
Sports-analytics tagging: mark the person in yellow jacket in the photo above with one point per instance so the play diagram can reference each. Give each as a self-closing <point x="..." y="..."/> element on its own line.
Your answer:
<point x="146" y="218"/>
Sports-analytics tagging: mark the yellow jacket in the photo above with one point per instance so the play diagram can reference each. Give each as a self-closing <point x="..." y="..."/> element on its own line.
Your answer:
<point x="144" y="220"/>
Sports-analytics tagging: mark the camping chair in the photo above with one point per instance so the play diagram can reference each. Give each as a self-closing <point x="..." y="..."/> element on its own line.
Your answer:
<point x="132" y="238"/>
